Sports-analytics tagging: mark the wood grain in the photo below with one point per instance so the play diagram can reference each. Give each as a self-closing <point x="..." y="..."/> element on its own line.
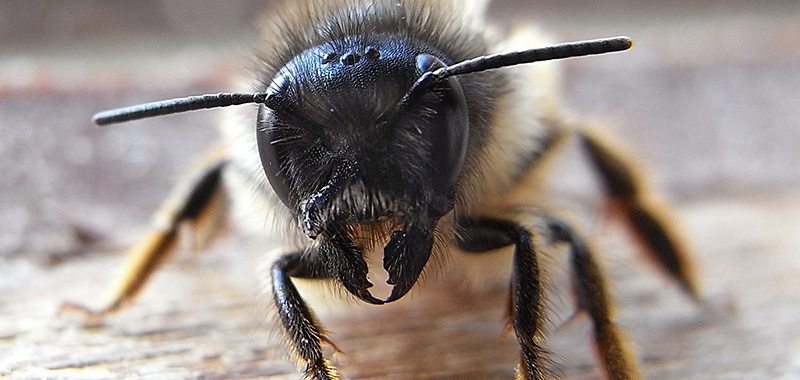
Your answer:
<point x="202" y="320"/>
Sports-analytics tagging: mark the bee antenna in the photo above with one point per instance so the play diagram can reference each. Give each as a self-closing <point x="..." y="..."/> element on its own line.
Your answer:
<point x="420" y="87"/>
<point x="496" y="61"/>
<point x="178" y="105"/>
<point x="547" y="53"/>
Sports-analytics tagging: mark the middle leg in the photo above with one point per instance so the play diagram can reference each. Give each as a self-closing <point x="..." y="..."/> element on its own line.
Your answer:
<point x="591" y="290"/>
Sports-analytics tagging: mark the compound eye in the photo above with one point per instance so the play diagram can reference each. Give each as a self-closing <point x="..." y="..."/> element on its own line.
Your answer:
<point x="273" y="155"/>
<point x="450" y="127"/>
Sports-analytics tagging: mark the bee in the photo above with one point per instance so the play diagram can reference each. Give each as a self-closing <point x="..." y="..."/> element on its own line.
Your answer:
<point x="397" y="132"/>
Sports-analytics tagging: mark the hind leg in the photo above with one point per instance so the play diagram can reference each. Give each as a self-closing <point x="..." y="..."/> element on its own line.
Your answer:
<point x="201" y="206"/>
<point x="646" y="215"/>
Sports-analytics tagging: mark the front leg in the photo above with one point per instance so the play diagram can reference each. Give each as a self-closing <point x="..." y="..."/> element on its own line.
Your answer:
<point x="483" y="234"/>
<point x="304" y="332"/>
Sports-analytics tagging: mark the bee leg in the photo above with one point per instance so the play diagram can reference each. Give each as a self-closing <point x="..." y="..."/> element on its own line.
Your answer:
<point x="304" y="332"/>
<point x="479" y="234"/>
<point x="202" y="204"/>
<point x="647" y="216"/>
<point x="591" y="290"/>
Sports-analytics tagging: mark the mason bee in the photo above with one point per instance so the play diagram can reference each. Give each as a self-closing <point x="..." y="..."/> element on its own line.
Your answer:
<point x="398" y="132"/>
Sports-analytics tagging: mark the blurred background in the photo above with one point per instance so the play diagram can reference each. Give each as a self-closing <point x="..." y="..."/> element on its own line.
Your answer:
<point x="708" y="96"/>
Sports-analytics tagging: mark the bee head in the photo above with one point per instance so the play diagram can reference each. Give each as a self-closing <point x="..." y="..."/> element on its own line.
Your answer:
<point x="338" y="142"/>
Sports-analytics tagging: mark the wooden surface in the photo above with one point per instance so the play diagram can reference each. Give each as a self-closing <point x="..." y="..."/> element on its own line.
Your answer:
<point x="708" y="95"/>
<point x="202" y="319"/>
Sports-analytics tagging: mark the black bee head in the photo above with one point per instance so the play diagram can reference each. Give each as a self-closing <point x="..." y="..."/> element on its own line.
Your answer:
<point x="339" y="145"/>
